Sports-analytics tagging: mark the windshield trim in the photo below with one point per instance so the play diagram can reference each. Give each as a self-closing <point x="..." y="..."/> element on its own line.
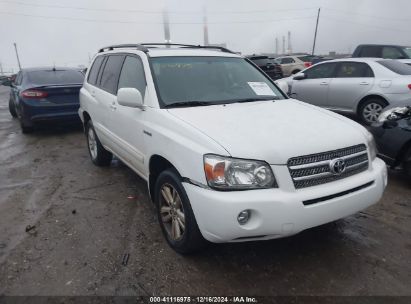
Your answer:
<point x="163" y="105"/>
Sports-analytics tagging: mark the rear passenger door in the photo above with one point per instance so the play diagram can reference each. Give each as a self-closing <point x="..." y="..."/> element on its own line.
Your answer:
<point x="106" y="95"/>
<point x="351" y="83"/>
<point x="126" y="122"/>
<point x="288" y="65"/>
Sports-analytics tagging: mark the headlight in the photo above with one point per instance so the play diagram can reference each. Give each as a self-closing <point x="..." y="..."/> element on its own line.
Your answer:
<point x="372" y="146"/>
<point x="225" y="173"/>
<point x="393" y="114"/>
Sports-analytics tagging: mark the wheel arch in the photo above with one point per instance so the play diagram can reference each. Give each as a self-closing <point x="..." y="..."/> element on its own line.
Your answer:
<point x="369" y="97"/>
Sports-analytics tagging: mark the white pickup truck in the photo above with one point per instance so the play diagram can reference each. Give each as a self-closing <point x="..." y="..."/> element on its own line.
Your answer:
<point x="227" y="156"/>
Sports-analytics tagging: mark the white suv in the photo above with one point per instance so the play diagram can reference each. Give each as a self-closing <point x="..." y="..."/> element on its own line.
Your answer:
<point x="226" y="155"/>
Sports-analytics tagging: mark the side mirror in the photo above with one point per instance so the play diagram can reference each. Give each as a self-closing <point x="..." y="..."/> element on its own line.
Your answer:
<point x="283" y="86"/>
<point x="130" y="97"/>
<point x="300" y="76"/>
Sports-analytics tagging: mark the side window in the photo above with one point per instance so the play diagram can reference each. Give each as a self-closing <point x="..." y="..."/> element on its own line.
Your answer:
<point x="325" y="70"/>
<point x="132" y="75"/>
<point x="92" y="76"/>
<point x="19" y="78"/>
<point x="109" y="78"/>
<point x="287" y="60"/>
<point x="371" y="51"/>
<point x="354" y="70"/>
<point x="392" y="53"/>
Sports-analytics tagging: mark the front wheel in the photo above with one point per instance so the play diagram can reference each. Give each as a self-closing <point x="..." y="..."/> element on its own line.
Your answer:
<point x="371" y="110"/>
<point x="175" y="214"/>
<point x="99" y="156"/>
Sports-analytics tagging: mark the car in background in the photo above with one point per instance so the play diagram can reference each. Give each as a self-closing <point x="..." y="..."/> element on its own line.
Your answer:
<point x="392" y="134"/>
<point x="45" y="95"/>
<point x="268" y="65"/>
<point x="294" y="64"/>
<point x="361" y="86"/>
<point x="382" y="51"/>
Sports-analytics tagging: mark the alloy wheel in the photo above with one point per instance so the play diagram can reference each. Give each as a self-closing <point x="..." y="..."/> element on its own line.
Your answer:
<point x="172" y="212"/>
<point x="92" y="143"/>
<point x="371" y="112"/>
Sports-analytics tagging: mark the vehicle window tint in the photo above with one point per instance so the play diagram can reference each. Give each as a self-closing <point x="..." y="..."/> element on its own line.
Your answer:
<point x="132" y="75"/>
<point x="407" y="50"/>
<point x="92" y="76"/>
<point x="354" y="70"/>
<point x="287" y="60"/>
<point x="109" y="78"/>
<point x="307" y="58"/>
<point x="52" y="77"/>
<point x="370" y="51"/>
<point x="396" y="66"/>
<point x="392" y="53"/>
<point x="325" y="70"/>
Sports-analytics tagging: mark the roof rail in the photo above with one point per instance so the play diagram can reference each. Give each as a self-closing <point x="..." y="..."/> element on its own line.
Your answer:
<point x="144" y="47"/>
<point x="192" y="46"/>
<point x="122" y="46"/>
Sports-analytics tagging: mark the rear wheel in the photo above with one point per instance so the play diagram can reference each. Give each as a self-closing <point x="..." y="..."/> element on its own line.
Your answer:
<point x="371" y="109"/>
<point x="12" y="109"/>
<point x="99" y="156"/>
<point x="175" y="215"/>
<point x="407" y="163"/>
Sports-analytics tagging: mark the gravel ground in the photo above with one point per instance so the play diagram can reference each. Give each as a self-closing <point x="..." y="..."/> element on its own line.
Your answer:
<point x="87" y="218"/>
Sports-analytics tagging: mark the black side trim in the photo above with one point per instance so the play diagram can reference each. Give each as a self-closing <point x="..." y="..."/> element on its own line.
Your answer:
<point x="330" y="197"/>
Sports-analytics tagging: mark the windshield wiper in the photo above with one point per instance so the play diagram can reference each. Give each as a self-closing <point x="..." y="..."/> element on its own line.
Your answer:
<point x="256" y="99"/>
<point x="183" y="104"/>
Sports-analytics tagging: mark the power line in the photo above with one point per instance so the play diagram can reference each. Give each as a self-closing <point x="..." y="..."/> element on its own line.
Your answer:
<point x="159" y="12"/>
<point x="366" y="15"/>
<point x="149" y="23"/>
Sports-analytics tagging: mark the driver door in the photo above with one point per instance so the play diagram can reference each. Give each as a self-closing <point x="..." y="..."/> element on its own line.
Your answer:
<point x="314" y="89"/>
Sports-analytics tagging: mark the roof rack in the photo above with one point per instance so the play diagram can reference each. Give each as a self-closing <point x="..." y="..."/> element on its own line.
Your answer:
<point x="144" y="47"/>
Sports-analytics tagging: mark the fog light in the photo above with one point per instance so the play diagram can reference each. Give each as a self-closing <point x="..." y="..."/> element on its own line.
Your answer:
<point x="243" y="217"/>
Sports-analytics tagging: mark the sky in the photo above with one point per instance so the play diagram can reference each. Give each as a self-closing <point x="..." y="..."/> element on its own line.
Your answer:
<point x="69" y="32"/>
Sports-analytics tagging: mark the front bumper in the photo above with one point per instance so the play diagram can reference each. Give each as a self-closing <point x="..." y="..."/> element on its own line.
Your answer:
<point x="277" y="213"/>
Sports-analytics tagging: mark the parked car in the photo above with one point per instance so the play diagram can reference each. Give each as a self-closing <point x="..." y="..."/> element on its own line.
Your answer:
<point x="361" y="86"/>
<point x="382" y="51"/>
<point x="5" y="80"/>
<point x="268" y="65"/>
<point x="226" y="155"/>
<point x="45" y="95"/>
<point x="294" y="64"/>
<point x="392" y="133"/>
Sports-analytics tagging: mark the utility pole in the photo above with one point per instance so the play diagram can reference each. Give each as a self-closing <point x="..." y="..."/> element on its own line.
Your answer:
<point x="290" y="49"/>
<point x="206" y="40"/>
<point x="17" y="55"/>
<point x="283" y="45"/>
<point x="316" y="30"/>
<point x="166" y="21"/>
<point x="276" y="46"/>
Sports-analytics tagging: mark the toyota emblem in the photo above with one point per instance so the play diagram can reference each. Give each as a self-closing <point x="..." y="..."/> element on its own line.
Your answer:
<point x="338" y="166"/>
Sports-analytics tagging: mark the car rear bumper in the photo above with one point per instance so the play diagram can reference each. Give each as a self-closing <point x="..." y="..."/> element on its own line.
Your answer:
<point x="35" y="112"/>
<point x="277" y="213"/>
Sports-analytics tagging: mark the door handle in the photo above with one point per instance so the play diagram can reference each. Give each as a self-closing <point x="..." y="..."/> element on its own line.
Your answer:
<point x="93" y="93"/>
<point x="364" y="83"/>
<point x="113" y="106"/>
<point x="324" y="83"/>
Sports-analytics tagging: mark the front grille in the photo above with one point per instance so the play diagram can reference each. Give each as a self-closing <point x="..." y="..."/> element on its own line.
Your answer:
<point x="313" y="170"/>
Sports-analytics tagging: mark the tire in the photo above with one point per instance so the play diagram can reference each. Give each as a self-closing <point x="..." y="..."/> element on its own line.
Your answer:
<point x="407" y="164"/>
<point x="174" y="210"/>
<point x="12" y="109"/>
<point x="25" y="129"/>
<point x="371" y="109"/>
<point x="99" y="156"/>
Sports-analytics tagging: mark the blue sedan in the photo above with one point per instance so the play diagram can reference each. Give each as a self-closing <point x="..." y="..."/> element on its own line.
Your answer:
<point x="45" y="95"/>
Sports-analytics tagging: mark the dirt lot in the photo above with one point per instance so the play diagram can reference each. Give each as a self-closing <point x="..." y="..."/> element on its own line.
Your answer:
<point x="87" y="218"/>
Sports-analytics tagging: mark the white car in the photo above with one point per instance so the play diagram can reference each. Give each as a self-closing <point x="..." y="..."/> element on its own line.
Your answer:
<point x="226" y="155"/>
<point x="293" y="64"/>
<point x="362" y="86"/>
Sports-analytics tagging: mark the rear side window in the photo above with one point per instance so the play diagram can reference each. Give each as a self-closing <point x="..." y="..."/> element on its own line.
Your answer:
<point x="389" y="52"/>
<point x="287" y="60"/>
<point x="306" y="58"/>
<point x="325" y="70"/>
<point x="354" y="70"/>
<point x="396" y="66"/>
<point x="111" y="73"/>
<point x="92" y="76"/>
<point x="371" y="51"/>
<point x="59" y="77"/>
<point x="132" y="75"/>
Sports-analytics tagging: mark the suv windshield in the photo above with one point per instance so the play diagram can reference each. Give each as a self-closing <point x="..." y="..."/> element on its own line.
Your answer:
<point x="210" y="80"/>
<point x="407" y="50"/>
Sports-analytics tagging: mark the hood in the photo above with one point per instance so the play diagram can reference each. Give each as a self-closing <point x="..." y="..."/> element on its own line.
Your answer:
<point x="272" y="131"/>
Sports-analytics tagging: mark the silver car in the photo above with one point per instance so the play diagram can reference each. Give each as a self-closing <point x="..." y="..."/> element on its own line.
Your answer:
<point x="363" y="86"/>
